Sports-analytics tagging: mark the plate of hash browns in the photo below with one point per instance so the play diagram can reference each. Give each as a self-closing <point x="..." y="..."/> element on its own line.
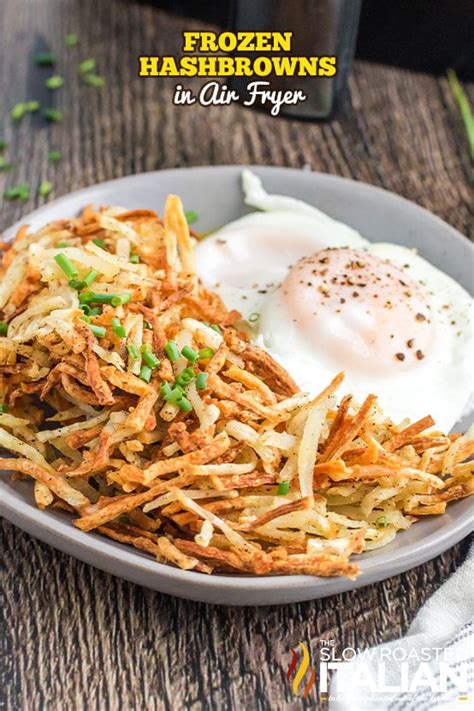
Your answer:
<point x="144" y="430"/>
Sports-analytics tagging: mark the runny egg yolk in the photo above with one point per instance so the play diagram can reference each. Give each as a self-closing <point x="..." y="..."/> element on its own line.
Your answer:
<point x="360" y="311"/>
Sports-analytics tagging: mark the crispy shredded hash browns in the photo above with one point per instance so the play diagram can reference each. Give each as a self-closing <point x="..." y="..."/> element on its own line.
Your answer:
<point x="211" y="461"/>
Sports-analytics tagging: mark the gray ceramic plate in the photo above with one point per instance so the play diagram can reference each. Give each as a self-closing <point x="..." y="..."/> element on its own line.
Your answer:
<point x="216" y="196"/>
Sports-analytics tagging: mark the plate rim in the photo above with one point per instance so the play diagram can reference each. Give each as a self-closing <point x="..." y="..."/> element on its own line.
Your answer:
<point x="129" y="561"/>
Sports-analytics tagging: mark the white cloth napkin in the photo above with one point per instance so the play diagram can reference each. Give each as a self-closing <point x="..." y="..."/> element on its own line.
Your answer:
<point x="443" y="633"/>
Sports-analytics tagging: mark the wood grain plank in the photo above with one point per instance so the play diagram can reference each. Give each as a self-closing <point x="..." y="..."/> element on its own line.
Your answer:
<point x="76" y="638"/>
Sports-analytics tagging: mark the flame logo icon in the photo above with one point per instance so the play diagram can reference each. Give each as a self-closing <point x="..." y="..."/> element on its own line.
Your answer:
<point x="301" y="671"/>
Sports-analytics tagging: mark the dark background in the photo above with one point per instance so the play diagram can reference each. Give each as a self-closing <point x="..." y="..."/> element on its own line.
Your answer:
<point x="424" y="35"/>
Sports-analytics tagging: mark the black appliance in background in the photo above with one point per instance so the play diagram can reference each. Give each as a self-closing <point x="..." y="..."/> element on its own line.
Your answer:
<point x="423" y="35"/>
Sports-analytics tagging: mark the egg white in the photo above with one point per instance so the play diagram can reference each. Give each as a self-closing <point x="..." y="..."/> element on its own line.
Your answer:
<point x="246" y="261"/>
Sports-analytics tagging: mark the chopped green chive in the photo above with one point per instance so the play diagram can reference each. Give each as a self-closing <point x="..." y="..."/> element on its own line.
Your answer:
<point x="91" y="297"/>
<point x="4" y="166"/>
<point x="133" y="351"/>
<point x="86" y="309"/>
<point x="3" y="144"/>
<point x="76" y="284"/>
<point x="45" y="188"/>
<point x="464" y="108"/>
<point x="254" y="317"/>
<point x="45" y="59"/>
<point x="283" y="488"/>
<point x="150" y="359"/>
<point x="175" y="394"/>
<point x="18" y="111"/>
<point x="165" y="389"/>
<point x="98" y="331"/>
<point x="381" y="522"/>
<point x="54" y="156"/>
<point x="216" y="328"/>
<point x="86" y="66"/>
<point x="61" y="244"/>
<point x="63" y="261"/>
<point x="201" y="381"/>
<point x="20" y="192"/>
<point x="52" y="115"/>
<point x="147" y="325"/>
<point x="71" y="40"/>
<point x="86" y="318"/>
<point x="145" y="373"/>
<point x="117" y="328"/>
<point x="90" y="277"/>
<point x="205" y="353"/>
<point x="3" y="328"/>
<point x="189" y="354"/>
<point x="94" y="80"/>
<point x="95" y="311"/>
<point x="54" y="82"/>
<point x="172" y="351"/>
<point x="191" y="216"/>
<point x="100" y="243"/>
<point x="32" y="106"/>
<point x="4" y="408"/>
<point x="185" y="377"/>
<point x="134" y="259"/>
<point x="184" y="404"/>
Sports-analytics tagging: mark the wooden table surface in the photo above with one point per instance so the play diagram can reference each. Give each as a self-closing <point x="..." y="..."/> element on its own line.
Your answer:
<point x="76" y="637"/>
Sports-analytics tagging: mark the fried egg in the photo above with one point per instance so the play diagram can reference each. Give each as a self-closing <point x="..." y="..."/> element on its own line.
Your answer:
<point x="321" y="299"/>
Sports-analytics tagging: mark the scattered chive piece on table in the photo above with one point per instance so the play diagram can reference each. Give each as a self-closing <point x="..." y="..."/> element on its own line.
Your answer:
<point x="19" y="192"/>
<point x="54" y="156"/>
<point x="283" y="488"/>
<point x="63" y="261"/>
<point x="18" y="111"/>
<point x="172" y="351"/>
<point x="71" y="40"/>
<point x="45" y="59"/>
<point x="205" y="353"/>
<point x="150" y="359"/>
<point x="201" y="381"/>
<point x="381" y="522"/>
<point x="3" y="328"/>
<point x="191" y="216"/>
<point x="99" y="243"/>
<point x="94" y="80"/>
<point x="3" y="144"/>
<point x="464" y="108"/>
<point x="4" y="166"/>
<point x="32" y="106"/>
<point x="145" y="373"/>
<point x="3" y="408"/>
<point x="98" y="331"/>
<point x="54" y="82"/>
<point x="117" y="328"/>
<point x="45" y="188"/>
<point x="132" y="351"/>
<point x="134" y="259"/>
<point x="189" y="354"/>
<point x="87" y="66"/>
<point x="52" y="115"/>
